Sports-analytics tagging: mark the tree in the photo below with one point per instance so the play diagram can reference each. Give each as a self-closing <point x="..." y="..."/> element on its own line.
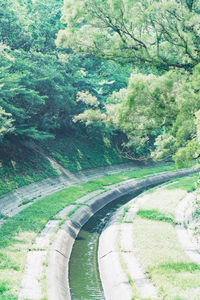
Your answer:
<point x="14" y="25"/>
<point x="160" y="114"/>
<point x="148" y="109"/>
<point x="157" y="112"/>
<point x="158" y="33"/>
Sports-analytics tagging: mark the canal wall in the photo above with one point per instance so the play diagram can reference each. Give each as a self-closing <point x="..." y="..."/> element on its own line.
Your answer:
<point x="59" y="255"/>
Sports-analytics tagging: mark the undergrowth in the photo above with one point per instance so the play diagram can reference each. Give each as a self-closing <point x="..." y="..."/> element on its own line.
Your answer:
<point x="20" y="166"/>
<point x="79" y="153"/>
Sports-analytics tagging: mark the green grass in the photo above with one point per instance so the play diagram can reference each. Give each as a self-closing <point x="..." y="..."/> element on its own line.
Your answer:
<point x="79" y="153"/>
<point x="4" y="291"/>
<point x="19" y="166"/>
<point x="19" y="232"/>
<point x="186" y="183"/>
<point x="25" y="201"/>
<point x="171" y="271"/>
<point x="155" y="215"/>
<point x="126" y="209"/>
<point x="137" y="174"/>
<point x="196" y="227"/>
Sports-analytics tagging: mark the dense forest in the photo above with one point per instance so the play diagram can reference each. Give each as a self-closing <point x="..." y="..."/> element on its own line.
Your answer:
<point x="42" y="81"/>
<point x="125" y="70"/>
<point x="39" y="86"/>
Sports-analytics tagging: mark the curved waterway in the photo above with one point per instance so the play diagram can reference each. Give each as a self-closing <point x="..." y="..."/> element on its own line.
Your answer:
<point x="84" y="279"/>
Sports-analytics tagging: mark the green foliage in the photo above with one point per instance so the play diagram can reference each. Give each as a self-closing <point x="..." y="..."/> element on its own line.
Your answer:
<point x="158" y="115"/>
<point x="165" y="147"/>
<point x="90" y="116"/>
<point x="148" y="109"/>
<point x="39" y="83"/>
<point x="78" y="153"/>
<point x="185" y="155"/>
<point x="87" y="98"/>
<point x="20" y="166"/>
<point x="157" y="112"/>
<point x="159" y="33"/>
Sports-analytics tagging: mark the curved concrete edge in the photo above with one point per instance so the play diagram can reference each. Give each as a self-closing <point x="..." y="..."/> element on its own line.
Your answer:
<point x="9" y="203"/>
<point x="183" y="216"/>
<point x="31" y="284"/>
<point x="117" y="260"/>
<point x="114" y="278"/>
<point x="57" y="272"/>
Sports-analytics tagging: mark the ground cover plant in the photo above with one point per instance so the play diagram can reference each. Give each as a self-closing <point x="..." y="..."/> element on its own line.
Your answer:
<point x="77" y="153"/>
<point x="20" y="166"/>
<point x="171" y="271"/>
<point x="137" y="174"/>
<point x="18" y="233"/>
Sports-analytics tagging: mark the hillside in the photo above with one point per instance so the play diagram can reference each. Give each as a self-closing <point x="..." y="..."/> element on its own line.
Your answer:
<point x="21" y="165"/>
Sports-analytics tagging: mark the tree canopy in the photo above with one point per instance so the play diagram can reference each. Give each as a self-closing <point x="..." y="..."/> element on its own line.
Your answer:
<point x="38" y="82"/>
<point x="160" y="39"/>
<point x="120" y="68"/>
<point x="162" y="33"/>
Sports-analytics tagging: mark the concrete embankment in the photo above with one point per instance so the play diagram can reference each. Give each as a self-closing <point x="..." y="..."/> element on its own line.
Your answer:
<point x="57" y="273"/>
<point x="10" y="203"/>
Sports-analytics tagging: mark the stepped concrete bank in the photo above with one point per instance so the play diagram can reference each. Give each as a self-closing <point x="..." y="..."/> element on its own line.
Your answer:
<point x="116" y="256"/>
<point x="57" y="273"/>
<point x="10" y="202"/>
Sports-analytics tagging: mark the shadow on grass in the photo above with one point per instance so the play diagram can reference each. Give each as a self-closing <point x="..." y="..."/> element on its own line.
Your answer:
<point x="155" y="215"/>
<point x="180" y="267"/>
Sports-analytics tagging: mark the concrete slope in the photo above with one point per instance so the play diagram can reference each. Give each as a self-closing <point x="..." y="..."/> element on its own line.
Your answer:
<point x="57" y="273"/>
<point x="9" y="203"/>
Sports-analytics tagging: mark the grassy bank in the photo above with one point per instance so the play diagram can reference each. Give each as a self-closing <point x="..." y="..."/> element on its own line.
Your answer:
<point x="79" y="153"/>
<point x="20" y="166"/>
<point x="19" y="232"/>
<point x="137" y="174"/>
<point x="171" y="271"/>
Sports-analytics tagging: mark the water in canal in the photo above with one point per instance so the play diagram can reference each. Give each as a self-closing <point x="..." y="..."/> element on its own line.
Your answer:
<point x="84" y="276"/>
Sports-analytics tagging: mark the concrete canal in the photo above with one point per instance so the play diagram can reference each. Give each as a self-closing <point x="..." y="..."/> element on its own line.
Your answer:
<point x="84" y="276"/>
